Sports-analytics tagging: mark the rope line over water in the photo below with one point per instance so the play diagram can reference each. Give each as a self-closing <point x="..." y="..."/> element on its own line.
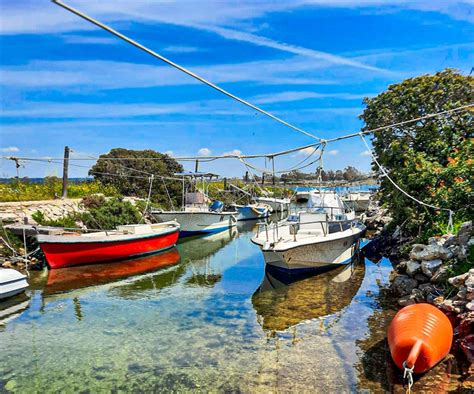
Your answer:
<point x="181" y="68"/>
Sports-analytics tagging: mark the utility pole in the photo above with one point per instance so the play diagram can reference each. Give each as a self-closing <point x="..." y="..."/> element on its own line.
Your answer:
<point x="65" y="169"/>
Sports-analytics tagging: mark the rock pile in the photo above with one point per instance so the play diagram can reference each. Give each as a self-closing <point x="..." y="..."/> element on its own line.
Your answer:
<point x="422" y="278"/>
<point x="426" y="277"/>
<point x="376" y="218"/>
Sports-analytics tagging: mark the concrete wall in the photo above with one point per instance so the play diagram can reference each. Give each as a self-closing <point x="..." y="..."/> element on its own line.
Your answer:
<point x="11" y="212"/>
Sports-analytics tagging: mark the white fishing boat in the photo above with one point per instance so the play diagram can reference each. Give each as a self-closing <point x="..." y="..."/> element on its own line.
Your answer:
<point x="302" y="196"/>
<point x="359" y="201"/>
<point x="323" y="237"/>
<point x="252" y="211"/>
<point x="12" y="283"/>
<point x="277" y="204"/>
<point x="198" y="216"/>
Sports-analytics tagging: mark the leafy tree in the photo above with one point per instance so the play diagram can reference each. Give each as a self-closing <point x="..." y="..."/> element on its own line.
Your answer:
<point x="129" y="171"/>
<point x="430" y="159"/>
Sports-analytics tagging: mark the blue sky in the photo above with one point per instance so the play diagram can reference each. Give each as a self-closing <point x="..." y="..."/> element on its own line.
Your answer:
<point x="65" y="82"/>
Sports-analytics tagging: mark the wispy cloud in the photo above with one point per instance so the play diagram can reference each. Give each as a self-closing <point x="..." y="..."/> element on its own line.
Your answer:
<point x="332" y="152"/>
<point x="290" y="96"/>
<point x="239" y="35"/>
<point x="169" y="153"/>
<point x="306" y="151"/>
<point x="10" y="149"/>
<point x="204" y="152"/>
<point x="366" y="153"/>
<point x="181" y="49"/>
<point x="59" y="74"/>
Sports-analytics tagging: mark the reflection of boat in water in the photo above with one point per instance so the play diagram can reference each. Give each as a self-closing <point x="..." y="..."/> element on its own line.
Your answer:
<point x="78" y="277"/>
<point x="283" y="301"/>
<point x="13" y="307"/>
<point x="203" y="247"/>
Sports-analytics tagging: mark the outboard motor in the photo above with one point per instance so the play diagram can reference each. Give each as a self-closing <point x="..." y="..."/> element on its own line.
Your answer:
<point x="216" y="206"/>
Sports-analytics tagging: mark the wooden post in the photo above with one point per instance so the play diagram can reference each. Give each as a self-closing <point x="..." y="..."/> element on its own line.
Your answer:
<point x="225" y="183"/>
<point x="196" y="168"/>
<point x="263" y="178"/>
<point x="246" y="177"/>
<point x="65" y="169"/>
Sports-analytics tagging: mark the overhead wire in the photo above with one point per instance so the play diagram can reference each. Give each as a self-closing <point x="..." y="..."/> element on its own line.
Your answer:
<point x="180" y="68"/>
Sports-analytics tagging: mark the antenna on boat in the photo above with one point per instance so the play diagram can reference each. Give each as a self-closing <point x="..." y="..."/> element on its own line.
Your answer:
<point x="180" y="68"/>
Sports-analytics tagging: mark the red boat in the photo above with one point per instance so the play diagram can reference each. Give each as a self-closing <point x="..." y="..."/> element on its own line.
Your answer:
<point x="72" y="249"/>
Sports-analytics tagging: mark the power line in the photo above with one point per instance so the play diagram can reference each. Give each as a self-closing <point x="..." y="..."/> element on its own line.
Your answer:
<point x="180" y="68"/>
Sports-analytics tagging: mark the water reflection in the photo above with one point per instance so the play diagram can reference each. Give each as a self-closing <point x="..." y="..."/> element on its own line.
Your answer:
<point x="61" y="280"/>
<point x="12" y="308"/>
<point x="283" y="301"/>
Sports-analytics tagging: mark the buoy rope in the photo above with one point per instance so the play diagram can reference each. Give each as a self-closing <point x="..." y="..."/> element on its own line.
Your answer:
<point x="408" y="375"/>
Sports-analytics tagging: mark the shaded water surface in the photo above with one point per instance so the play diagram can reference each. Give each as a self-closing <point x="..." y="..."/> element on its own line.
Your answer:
<point x="205" y="316"/>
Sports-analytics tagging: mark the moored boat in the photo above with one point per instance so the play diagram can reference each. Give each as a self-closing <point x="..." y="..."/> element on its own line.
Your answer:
<point x="302" y="196"/>
<point x="319" y="239"/>
<point x="359" y="201"/>
<point x="72" y="249"/>
<point x="198" y="215"/>
<point x="12" y="283"/>
<point x="277" y="204"/>
<point x="252" y="211"/>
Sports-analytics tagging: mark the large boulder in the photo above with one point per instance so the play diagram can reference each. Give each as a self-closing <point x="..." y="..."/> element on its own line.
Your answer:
<point x="430" y="252"/>
<point x="403" y="285"/>
<point x="430" y="267"/>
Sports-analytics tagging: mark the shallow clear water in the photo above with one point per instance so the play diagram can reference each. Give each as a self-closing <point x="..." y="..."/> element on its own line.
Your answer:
<point x="211" y="319"/>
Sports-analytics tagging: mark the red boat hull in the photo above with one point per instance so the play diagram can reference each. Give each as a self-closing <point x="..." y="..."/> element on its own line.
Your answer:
<point x="61" y="255"/>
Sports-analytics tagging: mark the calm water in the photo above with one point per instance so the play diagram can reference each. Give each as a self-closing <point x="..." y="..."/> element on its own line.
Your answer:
<point x="207" y="316"/>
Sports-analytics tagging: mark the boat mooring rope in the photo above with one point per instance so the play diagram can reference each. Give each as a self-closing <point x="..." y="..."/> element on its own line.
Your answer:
<point x="450" y="226"/>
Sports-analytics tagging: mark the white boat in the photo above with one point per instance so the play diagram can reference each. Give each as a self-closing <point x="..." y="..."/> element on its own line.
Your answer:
<point x="302" y="197"/>
<point x="12" y="283"/>
<point x="359" y="201"/>
<point x="196" y="216"/>
<point x="324" y="237"/>
<point x="277" y="204"/>
<point x="252" y="211"/>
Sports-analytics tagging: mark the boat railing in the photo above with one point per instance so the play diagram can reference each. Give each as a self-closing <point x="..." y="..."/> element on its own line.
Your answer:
<point x="294" y="227"/>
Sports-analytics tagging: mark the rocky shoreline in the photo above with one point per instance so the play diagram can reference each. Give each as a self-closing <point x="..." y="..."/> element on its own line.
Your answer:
<point x="429" y="273"/>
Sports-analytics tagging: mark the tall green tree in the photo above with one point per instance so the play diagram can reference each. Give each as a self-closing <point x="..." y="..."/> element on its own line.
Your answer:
<point x="430" y="159"/>
<point x="129" y="171"/>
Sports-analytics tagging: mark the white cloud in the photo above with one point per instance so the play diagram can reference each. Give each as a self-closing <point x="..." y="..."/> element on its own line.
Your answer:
<point x="239" y="35"/>
<point x="9" y="149"/>
<point x="290" y="96"/>
<point x="332" y="152"/>
<point x="181" y="49"/>
<point x="169" y="153"/>
<point x="98" y="74"/>
<point x="235" y="152"/>
<point x="366" y="153"/>
<point x="307" y="151"/>
<point x="204" y="152"/>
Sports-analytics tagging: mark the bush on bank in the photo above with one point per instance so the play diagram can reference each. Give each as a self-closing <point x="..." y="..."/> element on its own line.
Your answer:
<point x="430" y="159"/>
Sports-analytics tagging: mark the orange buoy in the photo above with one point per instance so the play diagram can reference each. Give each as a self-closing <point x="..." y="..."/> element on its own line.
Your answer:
<point x="419" y="337"/>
